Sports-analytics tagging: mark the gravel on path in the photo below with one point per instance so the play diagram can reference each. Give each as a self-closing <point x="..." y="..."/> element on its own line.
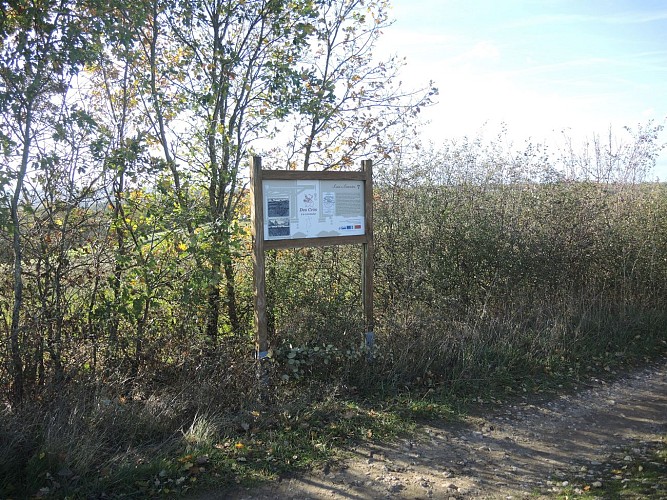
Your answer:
<point x="575" y="444"/>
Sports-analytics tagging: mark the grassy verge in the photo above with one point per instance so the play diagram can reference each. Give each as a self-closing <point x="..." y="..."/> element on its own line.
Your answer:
<point x="216" y="450"/>
<point x="199" y="433"/>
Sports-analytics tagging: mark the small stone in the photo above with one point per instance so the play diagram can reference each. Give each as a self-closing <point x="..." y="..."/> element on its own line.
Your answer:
<point x="65" y="473"/>
<point x="597" y="484"/>
<point x="565" y="483"/>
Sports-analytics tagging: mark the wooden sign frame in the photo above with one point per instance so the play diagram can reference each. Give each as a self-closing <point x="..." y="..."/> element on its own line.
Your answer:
<point x="260" y="245"/>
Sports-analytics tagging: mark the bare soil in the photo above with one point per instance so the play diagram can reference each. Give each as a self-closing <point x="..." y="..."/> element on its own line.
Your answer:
<point x="577" y="443"/>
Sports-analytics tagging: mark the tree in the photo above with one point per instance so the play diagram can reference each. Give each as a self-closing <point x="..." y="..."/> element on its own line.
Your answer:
<point x="43" y="44"/>
<point x="220" y="66"/>
<point x="345" y="100"/>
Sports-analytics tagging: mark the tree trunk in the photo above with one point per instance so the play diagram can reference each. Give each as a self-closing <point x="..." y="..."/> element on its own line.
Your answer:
<point x="15" y="330"/>
<point x="139" y="338"/>
<point x="213" y="312"/>
<point x="118" y="266"/>
<point x="230" y="287"/>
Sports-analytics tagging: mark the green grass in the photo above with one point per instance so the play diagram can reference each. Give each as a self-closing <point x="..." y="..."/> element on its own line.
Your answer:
<point x="275" y="445"/>
<point x="214" y="451"/>
<point x="642" y="476"/>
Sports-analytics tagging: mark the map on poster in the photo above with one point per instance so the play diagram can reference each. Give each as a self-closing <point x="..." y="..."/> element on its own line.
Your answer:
<point x="313" y="208"/>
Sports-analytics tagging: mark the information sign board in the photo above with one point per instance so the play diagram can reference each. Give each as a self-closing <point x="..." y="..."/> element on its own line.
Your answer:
<point x="297" y="209"/>
<point x="294" y="209"/>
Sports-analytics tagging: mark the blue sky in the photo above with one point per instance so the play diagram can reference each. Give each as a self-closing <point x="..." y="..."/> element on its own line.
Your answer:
<point x="540" y="66"/>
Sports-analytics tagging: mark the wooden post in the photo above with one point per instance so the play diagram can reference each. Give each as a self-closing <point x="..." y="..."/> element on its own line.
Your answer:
<point x="367" y="259"/>
<point x="259" y="275"/>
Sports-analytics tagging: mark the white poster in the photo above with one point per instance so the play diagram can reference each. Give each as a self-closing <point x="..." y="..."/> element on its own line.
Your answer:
<point x="313" y="209"/>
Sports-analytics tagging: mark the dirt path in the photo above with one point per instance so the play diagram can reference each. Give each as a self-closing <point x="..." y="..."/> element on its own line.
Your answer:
<point x="577" y="443"/>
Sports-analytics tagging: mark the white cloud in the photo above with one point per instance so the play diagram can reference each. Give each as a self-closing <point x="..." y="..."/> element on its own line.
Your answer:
<point x="648" y="113"/>
<point x="621" y="18"/>
<point x="483" y="50"/>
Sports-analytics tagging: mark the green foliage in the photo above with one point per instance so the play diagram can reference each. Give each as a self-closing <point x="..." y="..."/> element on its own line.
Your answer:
<point x="313" y="292"/>
<point x="486" y="276"/>
<point x="316" y="362"/>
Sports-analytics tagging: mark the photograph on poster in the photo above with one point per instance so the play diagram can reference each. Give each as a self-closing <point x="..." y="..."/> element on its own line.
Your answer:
<point x="278" y="214"/>
<point x="278" y="207"/>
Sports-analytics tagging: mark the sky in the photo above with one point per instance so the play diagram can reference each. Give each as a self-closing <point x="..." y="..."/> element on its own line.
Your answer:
<point x="539" y="66"/>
